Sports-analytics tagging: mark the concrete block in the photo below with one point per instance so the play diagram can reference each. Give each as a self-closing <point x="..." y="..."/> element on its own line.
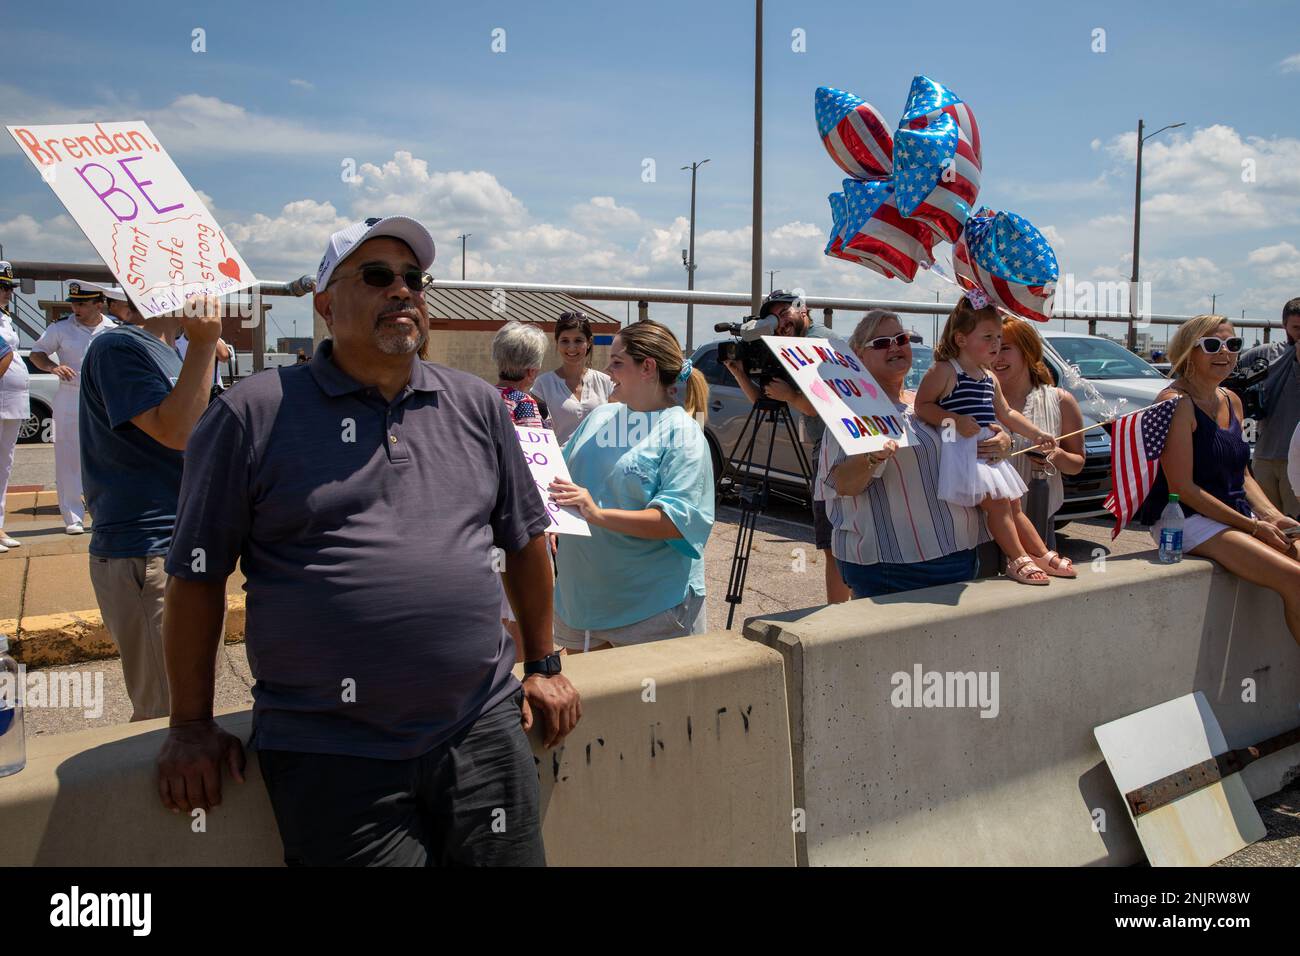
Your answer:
<point x="892" y="785"/>
<point x="692" y="768"/>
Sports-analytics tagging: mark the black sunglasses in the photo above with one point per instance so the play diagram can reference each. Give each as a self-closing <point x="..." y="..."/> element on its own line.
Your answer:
<point x="901" y="339"/>
<point x="381" y="277"/>
<point x="1211" y="344"/>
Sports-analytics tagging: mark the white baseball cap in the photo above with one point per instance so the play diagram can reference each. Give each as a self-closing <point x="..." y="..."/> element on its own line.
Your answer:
<point x="344" y="241"/>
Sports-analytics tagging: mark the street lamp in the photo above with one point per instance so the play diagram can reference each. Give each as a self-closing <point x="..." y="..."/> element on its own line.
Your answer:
<point x="690" y="264"/>
<point x="771" y="279"/>
<point x="1137" y="225"/>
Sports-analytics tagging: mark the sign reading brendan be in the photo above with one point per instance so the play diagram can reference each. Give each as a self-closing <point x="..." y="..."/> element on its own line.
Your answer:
<point x="137" y="210"/>
<point x="853" y="406"/>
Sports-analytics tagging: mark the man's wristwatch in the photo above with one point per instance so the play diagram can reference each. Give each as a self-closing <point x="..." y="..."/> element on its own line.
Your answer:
<point x="548" y="666"/>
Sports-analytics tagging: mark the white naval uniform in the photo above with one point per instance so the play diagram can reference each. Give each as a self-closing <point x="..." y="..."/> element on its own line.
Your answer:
<point x="69" y="339"/>
<point x="14" y="408"/>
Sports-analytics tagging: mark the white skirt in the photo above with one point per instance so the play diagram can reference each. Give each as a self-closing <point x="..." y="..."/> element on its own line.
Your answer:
<point x="1197" y="529"/>
<point x="965" y="480"/>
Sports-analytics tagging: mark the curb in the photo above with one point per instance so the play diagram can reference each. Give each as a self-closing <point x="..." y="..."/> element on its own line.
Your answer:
<point x="48" y="640"/>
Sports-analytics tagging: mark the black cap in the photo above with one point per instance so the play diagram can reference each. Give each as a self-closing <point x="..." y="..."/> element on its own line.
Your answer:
<point x="777" y="298"/>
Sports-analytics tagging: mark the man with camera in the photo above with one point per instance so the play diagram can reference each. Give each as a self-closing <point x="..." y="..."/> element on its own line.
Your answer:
<point x="793" y="320"/>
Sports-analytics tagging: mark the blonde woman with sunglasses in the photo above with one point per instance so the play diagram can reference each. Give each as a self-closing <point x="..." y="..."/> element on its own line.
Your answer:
<point x="1228" y="517"/>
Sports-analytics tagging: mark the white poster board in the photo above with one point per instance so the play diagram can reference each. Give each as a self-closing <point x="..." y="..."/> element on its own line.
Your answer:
<point x="854" y="407"/>
<point x="546" y="462"/>
<point x="145" y="221"/>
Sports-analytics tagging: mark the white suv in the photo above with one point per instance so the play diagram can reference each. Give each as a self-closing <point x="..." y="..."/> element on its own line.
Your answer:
<point x="41" y="387"/>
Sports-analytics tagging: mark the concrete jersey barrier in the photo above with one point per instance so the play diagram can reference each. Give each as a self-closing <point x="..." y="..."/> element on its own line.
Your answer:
<point x="886" y="782"/>
<point x="682" y="757"/>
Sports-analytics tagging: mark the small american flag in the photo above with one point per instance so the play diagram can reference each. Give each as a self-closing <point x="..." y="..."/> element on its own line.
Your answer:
<point x="854" y="133"/>
<point x="1137" y="441"/>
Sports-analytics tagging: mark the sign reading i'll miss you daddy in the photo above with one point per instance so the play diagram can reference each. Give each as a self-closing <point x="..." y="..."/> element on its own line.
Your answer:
<point x="137" y="210"/>
<point x="546" y="462"/>
<point x="853" y="406"/>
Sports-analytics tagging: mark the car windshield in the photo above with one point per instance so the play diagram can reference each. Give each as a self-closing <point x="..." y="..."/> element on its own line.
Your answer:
<point x="1100" y="359"/>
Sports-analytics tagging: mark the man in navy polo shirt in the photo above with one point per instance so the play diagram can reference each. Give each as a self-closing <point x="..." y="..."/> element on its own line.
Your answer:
<point x="139" y="404"/>
<point x="363" y="494"/>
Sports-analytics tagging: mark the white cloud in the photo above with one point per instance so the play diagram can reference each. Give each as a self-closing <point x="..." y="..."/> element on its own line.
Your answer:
<point x="603" y="213"/>
<point x="302" y="84"/>
<point x="290" y="243"/>
<point x="1291" y="64"/>
<point x="444" y="201"/>
<point x="1281" y="261"/>
<point x="53" y="240"/>
<point x="192" y="123"/>
<point x="1216" y="179"/>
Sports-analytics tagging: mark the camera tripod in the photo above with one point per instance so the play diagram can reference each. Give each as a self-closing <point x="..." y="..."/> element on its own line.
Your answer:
<point x="753" y="486"/>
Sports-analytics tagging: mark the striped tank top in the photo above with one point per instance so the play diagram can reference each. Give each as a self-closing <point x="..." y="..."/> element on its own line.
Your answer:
<point x="971" y="396"/>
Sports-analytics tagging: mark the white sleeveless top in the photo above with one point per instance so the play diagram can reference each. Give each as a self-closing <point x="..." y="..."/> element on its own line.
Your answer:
<point x="1043" y="408"/>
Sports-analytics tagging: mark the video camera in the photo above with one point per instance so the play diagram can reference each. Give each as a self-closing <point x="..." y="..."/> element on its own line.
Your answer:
<point x="755" y="357"/>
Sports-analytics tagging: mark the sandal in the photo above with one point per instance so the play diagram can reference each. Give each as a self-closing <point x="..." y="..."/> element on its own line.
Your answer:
<point x="1024" y="570"/>
<point x="1055" y="565"/>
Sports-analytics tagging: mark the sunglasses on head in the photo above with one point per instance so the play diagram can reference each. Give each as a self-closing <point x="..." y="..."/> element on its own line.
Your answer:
<point x="381" y="277"/>
<point x="1211" y="344"/>
<point x="901" y="339"/>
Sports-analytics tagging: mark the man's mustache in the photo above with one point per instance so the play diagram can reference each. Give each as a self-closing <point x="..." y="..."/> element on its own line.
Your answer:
<point x="399" y="308"/>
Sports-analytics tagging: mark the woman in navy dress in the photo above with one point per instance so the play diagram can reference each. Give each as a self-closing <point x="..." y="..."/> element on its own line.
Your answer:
<point x="1228" y="518"/>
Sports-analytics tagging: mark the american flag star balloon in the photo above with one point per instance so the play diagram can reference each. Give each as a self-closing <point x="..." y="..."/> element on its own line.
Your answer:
<point x="854" y="133"/>
<point x="1005" y="256"/>
<point x="937" y="158"/>
<point x="874" y="234"/>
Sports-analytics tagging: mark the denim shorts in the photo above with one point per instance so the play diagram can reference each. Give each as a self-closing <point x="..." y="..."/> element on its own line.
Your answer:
<point x="874" y="580"/>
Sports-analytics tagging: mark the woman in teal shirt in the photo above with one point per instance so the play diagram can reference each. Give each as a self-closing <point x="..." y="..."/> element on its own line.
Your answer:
<point x="643" y="480"/>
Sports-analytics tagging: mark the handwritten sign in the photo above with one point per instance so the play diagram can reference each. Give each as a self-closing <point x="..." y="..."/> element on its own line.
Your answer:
<point x="137" y="210"/>
<point x="854" y="407"/>
<point x="546" y="462"/>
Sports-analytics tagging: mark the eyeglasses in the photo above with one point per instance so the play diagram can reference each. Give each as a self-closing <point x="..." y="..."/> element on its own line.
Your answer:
<point x="901" y="339"/>
<point x="381" y="277"/>
<point x="1211" y="344"/>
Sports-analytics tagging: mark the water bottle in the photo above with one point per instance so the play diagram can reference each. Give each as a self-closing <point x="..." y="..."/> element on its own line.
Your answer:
<point x="1171" y="532"/>
<point x="13" y="743"/>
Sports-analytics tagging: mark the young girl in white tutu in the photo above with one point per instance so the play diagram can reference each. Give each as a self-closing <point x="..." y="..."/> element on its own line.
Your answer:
<point x="959" y="389"/>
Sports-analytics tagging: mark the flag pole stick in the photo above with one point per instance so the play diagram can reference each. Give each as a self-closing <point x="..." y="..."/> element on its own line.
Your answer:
<point x="1080" y="431"/>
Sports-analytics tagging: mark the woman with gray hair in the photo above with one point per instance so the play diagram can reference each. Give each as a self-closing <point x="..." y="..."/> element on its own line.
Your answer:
<point x="890" y="530"/>
<point x="518" y="351"/>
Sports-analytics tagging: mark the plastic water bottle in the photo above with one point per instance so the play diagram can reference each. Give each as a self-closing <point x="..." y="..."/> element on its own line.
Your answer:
<point x="1171" y="532"/>
<point x="13" y="742"/>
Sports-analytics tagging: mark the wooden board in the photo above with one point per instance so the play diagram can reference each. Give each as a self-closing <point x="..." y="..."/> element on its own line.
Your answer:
<point x="1202" y="827"/>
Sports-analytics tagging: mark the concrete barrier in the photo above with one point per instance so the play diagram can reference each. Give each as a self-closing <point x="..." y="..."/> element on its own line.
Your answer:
<point x="882" y="784"/>
<point x="682" y="757"/>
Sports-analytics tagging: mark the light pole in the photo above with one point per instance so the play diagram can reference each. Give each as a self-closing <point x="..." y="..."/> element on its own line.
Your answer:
<point x="690" y="264"/>
<point x="462" y="239"/>
<point x="1137" y="225"/>
<point x="1214" y="301"/>
<point x="771" y="279"/>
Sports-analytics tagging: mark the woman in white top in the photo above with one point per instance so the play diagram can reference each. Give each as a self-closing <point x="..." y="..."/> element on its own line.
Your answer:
<point x="14" y="409"/>
<point x="1028" y="387"/>
<point x="575" y="389"/>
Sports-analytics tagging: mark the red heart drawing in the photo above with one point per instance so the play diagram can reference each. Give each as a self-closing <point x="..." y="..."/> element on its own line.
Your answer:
<point x="229" y="268"/>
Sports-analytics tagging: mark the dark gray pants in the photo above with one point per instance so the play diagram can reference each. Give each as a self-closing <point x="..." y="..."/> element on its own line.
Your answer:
<point x="472" y="801"/>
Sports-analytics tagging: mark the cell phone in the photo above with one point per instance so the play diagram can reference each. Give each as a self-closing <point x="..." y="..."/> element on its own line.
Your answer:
<point x="1292" y="532"/>
<point x="1037" y="455"/>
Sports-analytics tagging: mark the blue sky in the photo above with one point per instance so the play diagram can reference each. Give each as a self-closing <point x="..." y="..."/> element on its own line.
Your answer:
<point x="538" y="151"/>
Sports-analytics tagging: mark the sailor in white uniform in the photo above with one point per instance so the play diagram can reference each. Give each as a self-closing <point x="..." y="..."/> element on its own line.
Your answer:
<point x="14" y="408"/>
<point x="69" y="338"/>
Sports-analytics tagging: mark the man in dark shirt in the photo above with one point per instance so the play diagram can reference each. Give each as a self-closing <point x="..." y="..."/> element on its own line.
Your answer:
<point x="1279" y="410"/>
<point x="363" y="494"/>
<point x="138" y="405"/>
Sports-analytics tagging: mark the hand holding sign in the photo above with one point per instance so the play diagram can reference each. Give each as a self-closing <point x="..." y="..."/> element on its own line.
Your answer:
<point x="851" y="403"/>
<point x="145" y="221"/>
<point x="546" y="462"/>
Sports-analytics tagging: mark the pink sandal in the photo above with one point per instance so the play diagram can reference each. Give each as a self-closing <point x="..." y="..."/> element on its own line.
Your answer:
<point x="1053" y="564"/>
<point x="1024" y="569"/>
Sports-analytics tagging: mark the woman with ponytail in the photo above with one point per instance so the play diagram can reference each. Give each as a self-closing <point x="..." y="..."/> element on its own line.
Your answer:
<point x="643" y="479"/>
